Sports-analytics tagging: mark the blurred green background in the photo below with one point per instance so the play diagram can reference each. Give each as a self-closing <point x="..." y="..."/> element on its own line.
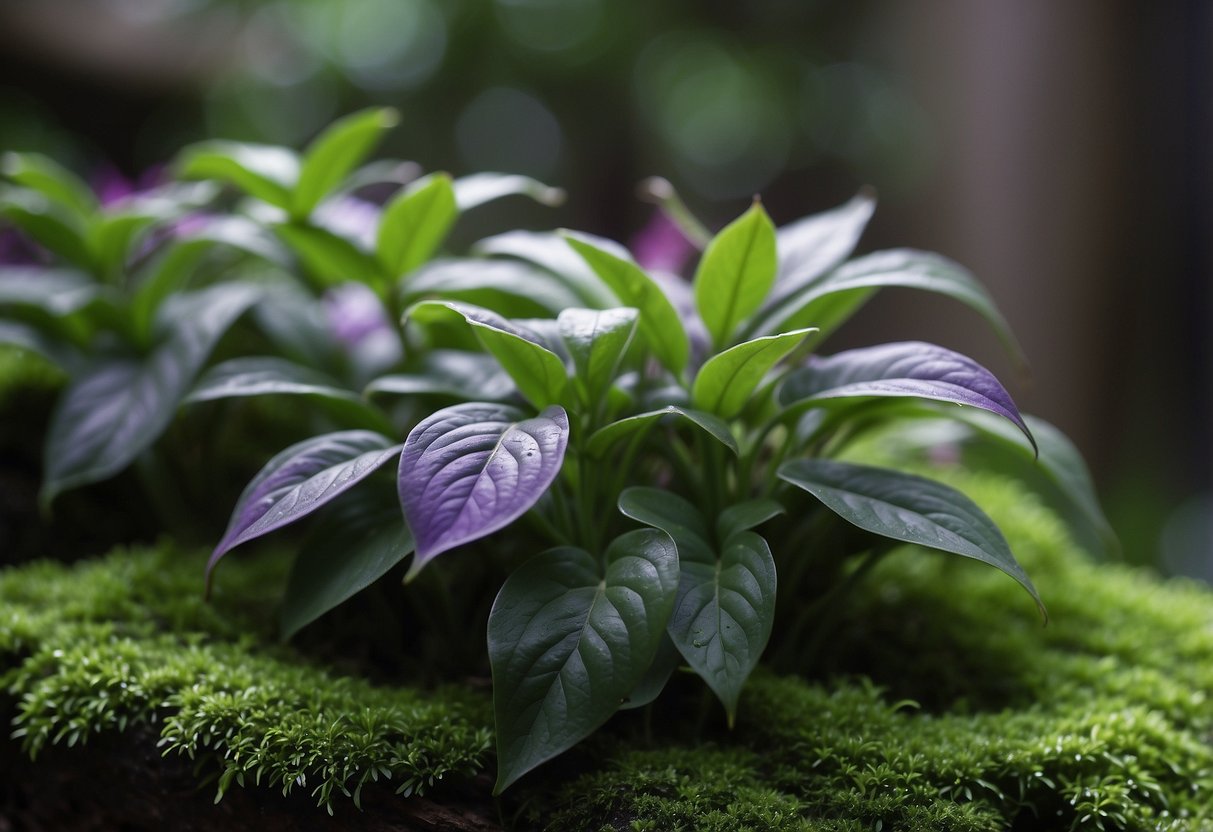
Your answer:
<point x="1062" y="151"/>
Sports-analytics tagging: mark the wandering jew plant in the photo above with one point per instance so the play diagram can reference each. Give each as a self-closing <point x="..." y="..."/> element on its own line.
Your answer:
<point x="659" y="451"/>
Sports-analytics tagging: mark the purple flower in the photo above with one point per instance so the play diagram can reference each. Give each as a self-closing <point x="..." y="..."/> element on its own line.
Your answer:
<point x="357" y="319"/>
<point x="661" y="246"/>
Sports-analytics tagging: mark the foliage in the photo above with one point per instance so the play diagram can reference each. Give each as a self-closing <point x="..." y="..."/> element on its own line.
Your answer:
<point x="539" y="385"/>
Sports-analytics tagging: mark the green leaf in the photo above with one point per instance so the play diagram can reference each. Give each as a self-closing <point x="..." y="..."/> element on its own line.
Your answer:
<point x="266" y="172"/>
<point x="551" y="252"/>
<point x="330" y="259"/>
<point x="506" y="286"/>
<point x="570" y="637"/>
<point x="596" y="341"/>
<point x="735" y="274"/>
<point x="537" y="371"/>
<point x="660" y="323"/>
<point x="724" y="384"/>
<point x="464" y="375"/>
<point x="414" y="224"/>
<point x="655" y="678"/>
<point x="52" y="180"/>
<point x="47" y="224"/>
<point x="355" y="545"/>
<point x="334" y="153"/>
<point x="110" y="239"/>
<point x="829" y="302"/>
<point x="909" y="509"/>
<point x="605" y="437"/>
<point x="745" y="516"/>
<point x="725" y="610"/>
<point x="479" y="188"/>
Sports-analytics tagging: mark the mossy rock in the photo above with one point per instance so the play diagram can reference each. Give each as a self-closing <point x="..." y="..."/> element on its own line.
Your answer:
<point x="939" y="702"/>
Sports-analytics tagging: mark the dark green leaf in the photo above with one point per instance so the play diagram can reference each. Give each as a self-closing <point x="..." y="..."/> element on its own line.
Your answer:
<point x="655" y="678"/>
<point x="909" y="509"/>
<point x="505" y="286"/>
<point x="465" y="375"/>
<point x="605" y="437"/>
<point x="745" y="516"/>
<point x="569" y="640"/>
<point x="47" y="224"/>
<point x="596" y="341"/>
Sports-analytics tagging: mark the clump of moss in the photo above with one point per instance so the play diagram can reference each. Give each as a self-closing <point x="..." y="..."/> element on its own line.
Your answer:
<point x="1102" y="720"/>
<point x="128" y="640"/>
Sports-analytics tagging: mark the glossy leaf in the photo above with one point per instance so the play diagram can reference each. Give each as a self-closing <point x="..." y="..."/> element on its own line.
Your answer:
<point x="351" y="550"/>
<point x="506" y="286"/>
<point x="724" y="384"/>
<point x="650" y="686"/>
<point x="479" y="188"/>
<point x="810" y="248"/>
<point x="596" y="341"/>
<point x="909" y="369"/>
<point x="745" y="516"/>
<point x="830" y="301"/>
<point x="120" y="406"/>
<point x="467" y="375"/>
<point x="55" y="292"/>
<point x="735" y="274"/>
<point x="551" y="252"/>
<point x="909" y="509"/>
<point x="330" y="259"/>
<point x="660" y="324"/>
<point x="335" y="152"/>
<point x="472" y="469"/>
<point x="725" y="610"/>
<point x="605" y="437"/>
<point x="569" y="640"/>
<point x="49" y="178"/>
<point x="414" y="224"/>
<point x="305" y="477"/>
<point x="16" y="334"/>
<point x="266" y="172"/>
<point x="537" y="371"/>
<point x="47" y="224"/>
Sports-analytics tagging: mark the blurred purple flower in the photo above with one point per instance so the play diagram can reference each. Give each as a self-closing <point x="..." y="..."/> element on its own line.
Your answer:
<point x="349" y="217"/>
<point x="111" y="186"/>
<point x="661" y="245"/>
<point x="357" y="319"/>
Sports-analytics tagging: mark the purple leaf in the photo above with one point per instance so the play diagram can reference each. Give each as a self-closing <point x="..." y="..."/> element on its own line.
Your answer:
<point x="906" y="369"/>
<point x="471" y="469"/>
<point x="300" y="480"/>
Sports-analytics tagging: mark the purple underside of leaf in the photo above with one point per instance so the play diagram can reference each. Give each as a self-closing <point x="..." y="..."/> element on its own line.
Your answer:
<point x="471" y="469"/>
<point x="300" y="480"/>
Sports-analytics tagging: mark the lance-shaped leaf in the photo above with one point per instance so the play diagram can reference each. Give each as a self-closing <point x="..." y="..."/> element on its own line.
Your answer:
<point x="477" y="189"/>
<point x="357" y="543"/>
<point x="47" y="223"/>
<point x="605" y="437"/>
<point x="659" y="322"/>
<point x="735" y="273"/>
<point x="507" y="286"/>
<point x="268" y="376"/>
<point x="335" y="152"/>
<point x="119" y="407"/>
<point x="266" y="172"/>
<point x="49" y="178"/>
<point x="725" y="610"/>
<point x="551" y="252"/>
<point x="55" y="292"/>
<point x="909" y="369"/>
<point x="330" y="259"/>
<point x="466" y="375"/>
<point x="538" y="372"/>
<point x="907" y="508"/>
<point x="596" y="341"/>
<point x="414" y="224"/>
<point x="724" y="384"/>
<point x="830" y="301"/>
<point x="569" y="640"/>
<point x="29" y="338"/>
<point x="472" y="469"/>
<point x="301" y="479"/>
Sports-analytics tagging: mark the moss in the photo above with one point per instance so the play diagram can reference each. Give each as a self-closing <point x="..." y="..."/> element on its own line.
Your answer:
<point x="128" y="640"/>
<point x="938" y="702"/>
<point x="1101" y="720"/>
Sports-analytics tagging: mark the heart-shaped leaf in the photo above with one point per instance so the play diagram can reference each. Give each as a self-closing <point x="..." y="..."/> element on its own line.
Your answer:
<point x="659" y="322"/>
<point x="605" y="437"/>
<point x="414" y="224"/>
<point x="597" y="340"/>
<point x="908" y="369"/>
<point x="354" y="547"/>
<point x="537" y="371"/>
<point x="300" y="480"/>
<point x="472" y="469"/>
<point x="119" y="407"/>
<point x="735" y="274"/>
<point x="569" y="638"/>
<point x="909" y="509"/>
<point x="724" y="384"/>
<point x="335" y="152"/>
<point x="725" y="610"/>
<point x="266" y="172"/>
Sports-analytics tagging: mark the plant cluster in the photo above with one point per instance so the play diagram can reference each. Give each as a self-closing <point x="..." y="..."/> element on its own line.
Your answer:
<point x="632" y="431"/>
